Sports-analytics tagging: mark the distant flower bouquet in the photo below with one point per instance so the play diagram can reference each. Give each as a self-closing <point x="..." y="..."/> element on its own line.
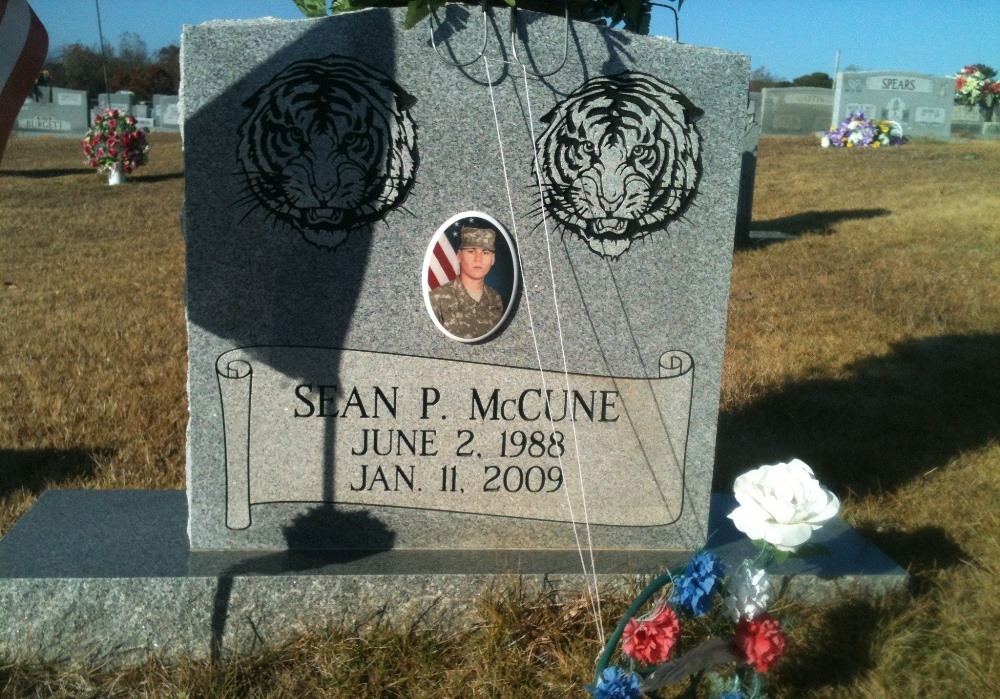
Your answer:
<point x="114" y="141"/>
<point x="780" y="507"/>
<point x="857" y="131"/>
<point x="975" y="86"/>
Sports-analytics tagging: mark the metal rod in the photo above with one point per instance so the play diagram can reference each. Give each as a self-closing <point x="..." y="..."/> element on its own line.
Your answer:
<point x="482" y="51"/>
<point x="513" y="44"/>
<point x="104" y="58"/>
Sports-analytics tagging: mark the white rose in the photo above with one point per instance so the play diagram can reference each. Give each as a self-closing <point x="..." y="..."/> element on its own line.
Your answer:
<point x="782" y="504"/>
<point x="825" y="141"/>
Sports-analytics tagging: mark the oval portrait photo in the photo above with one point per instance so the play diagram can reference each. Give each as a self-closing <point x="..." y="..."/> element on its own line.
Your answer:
<point x="470" y="276"/>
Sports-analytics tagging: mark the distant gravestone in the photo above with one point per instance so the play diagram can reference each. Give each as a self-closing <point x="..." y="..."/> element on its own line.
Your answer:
<point x="166" y="112"/>
<point x="331" y="179"/>
<point x="754" y="105"/>
<point x="990" y="129"/>
<point x="795" y="111"/>
<point x="966" y="120"/>
<point x="61" y="111"/>
<point x="921" y="104"/>
<point x="122" y="101"/>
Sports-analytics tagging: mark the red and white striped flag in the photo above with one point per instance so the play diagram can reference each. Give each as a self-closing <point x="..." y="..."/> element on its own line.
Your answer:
<point x="24" y="43"/>
<point x="443" y="265"/>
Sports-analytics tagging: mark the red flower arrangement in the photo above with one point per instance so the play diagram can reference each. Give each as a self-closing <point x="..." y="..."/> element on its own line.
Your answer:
<point x="976" y="86"/>
<point x="115" y="140"/>
<point x="759" y="641"/>
<point x="652" y="640"/>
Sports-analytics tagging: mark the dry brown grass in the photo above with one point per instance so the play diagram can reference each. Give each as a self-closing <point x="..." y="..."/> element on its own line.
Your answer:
<point x="869" y="347"/>
<point x="92" y="345"/>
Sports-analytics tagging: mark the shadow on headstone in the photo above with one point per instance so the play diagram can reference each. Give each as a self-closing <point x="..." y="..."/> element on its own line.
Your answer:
<point x="457" y="20"/>
<point x="892" y="419"/>
<point x="269" y="264"/>
<point x="36" y="470"/>
<point x="307" y="535"/>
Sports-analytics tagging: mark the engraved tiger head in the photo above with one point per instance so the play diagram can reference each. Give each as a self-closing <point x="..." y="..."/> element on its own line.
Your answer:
<point x="620" y="159"/>
<point x="328" y="148"/>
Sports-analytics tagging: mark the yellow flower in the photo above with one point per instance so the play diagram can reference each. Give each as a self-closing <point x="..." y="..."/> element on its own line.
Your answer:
<point x="884" y="128"/>
<point x="875" y="144"/>
<point x="850" y="144"/>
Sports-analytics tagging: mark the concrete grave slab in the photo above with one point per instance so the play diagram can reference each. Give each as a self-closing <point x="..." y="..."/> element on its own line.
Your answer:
<point x="107" y="577"/>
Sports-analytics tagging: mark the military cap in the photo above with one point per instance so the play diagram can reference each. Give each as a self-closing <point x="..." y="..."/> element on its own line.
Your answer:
<point x="477" y="238"/>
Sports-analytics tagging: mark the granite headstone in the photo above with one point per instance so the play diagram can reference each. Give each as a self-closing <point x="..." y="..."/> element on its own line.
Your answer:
<point x="329" y="178"/>
<point x="122" y="101"/>
<point x="921" y="104"/>
<point x="795" y="111"/>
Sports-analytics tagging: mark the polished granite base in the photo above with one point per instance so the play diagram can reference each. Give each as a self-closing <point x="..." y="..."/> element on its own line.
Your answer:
<point x="108" y="577"/>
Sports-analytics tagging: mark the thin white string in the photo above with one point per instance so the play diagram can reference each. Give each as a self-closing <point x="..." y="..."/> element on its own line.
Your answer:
<point x="562" y="349"/>
<point x="592" y="588"/>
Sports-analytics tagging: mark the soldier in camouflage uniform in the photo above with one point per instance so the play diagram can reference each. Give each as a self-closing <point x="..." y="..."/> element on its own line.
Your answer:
<point x="466" y="306"/>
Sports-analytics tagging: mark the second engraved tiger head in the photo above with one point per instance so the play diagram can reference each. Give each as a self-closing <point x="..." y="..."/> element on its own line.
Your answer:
<point x="619" y="160"/>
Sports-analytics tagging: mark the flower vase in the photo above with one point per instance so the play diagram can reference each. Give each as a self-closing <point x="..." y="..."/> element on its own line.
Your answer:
<point x="116" y="175"/>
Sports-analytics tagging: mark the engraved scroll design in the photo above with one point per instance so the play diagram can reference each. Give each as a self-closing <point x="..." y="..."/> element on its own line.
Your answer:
<point x="277" y="447"/>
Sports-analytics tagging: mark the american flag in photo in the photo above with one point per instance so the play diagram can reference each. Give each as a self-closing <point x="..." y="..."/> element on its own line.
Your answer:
<point x="24" y="43"/>
<point x="443" y="265"/>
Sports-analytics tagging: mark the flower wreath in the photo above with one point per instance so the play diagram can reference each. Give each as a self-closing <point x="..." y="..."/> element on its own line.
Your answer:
<point x="780" y="507"/>
<point x="857" y="131"/>
<point x="115" y="139"/>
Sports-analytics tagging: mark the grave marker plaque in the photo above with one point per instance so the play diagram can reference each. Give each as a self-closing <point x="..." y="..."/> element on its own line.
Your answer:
<point x="921" y="104"/>
<point x="335" y="182"/>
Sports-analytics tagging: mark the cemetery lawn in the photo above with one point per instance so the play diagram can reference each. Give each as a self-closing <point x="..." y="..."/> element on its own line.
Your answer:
<point x="868" y="345"/>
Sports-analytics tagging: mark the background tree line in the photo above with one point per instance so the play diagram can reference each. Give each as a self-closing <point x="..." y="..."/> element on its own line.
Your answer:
<point x="130" y="67"/>
<point x="762" y="77"/>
